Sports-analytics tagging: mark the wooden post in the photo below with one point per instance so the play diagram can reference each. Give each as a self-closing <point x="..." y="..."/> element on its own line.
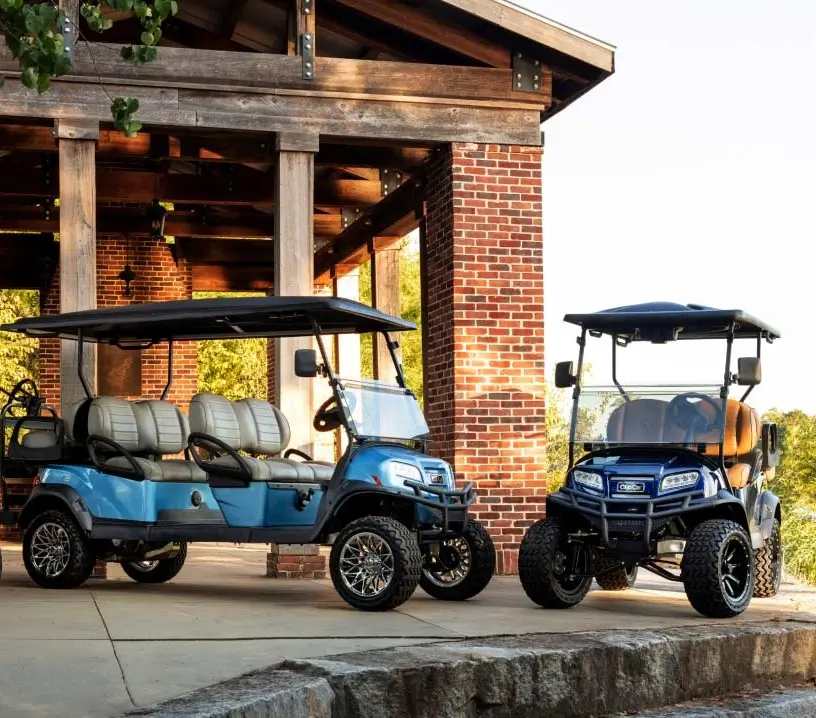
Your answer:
<point x="385" y="295"/>
<point x="77" y="181"/>
<point x="294" y="274"/>
<point x="347" y="346"/>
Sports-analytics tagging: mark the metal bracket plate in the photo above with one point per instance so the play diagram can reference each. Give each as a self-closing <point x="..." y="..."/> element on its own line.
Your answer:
<point x="526" y="73"/>
<point x="350" y="215"/>
<point x="390" y="180"/>
<point x="68" y="36"/>
<point x="307" y="52"/>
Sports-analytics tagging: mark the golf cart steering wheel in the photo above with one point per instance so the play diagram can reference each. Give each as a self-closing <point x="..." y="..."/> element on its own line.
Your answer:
<point x="26" y="393"/>
<point x="691" y="417"/>
<point x="329" y="417"/>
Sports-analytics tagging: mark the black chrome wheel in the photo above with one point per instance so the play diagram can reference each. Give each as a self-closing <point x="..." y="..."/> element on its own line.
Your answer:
<point x="718" y="568"/>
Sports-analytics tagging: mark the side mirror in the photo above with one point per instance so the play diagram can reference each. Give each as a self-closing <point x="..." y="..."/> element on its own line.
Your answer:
<point x="306" y="363"/>
<point x="564" y="378"/>
<point x="770" y="446"/>
<point x="749" y="371"/>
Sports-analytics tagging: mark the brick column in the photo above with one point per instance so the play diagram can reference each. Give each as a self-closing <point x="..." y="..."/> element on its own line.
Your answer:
<point x="484" y="370"/>
<point x="158" y="278"/>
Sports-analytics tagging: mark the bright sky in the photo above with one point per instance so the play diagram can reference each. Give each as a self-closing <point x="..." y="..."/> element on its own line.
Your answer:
<point x="688" y="176"/>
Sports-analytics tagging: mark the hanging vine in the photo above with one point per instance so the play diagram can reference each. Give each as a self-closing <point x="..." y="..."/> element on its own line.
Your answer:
<point x="34" y="35"/>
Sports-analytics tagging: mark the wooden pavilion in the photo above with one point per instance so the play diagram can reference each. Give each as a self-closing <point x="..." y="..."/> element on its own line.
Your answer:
<point x="296" y="140"/>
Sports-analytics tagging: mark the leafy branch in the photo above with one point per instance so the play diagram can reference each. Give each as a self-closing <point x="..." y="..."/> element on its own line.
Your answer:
<point x="33" y="33"/>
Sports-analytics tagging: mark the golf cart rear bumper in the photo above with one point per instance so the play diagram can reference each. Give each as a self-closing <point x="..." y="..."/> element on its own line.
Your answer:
<point x="622" y="518"/>
<point x="446" y="511"/>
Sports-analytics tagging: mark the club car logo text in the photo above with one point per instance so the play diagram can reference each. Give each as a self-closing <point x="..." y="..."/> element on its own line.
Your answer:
<point x="631" y="487"/>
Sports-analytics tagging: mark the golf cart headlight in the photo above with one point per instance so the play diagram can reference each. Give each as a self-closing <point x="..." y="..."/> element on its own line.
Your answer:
<point x="679" y="481"/>
<point x="404" y="471"/>
<point x="588" y="479"/>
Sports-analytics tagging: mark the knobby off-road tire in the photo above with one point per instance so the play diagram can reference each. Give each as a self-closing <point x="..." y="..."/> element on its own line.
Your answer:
<point x="481" y="569"/>
<point x="406" y="560"/>
<point x="539" y="567"/>
<point x="80" y="557"/>
<point x="156" y="571"/>
<point x="619" y="579"/>
<point x="768" y="565"/>
<point x="715" y="549"/>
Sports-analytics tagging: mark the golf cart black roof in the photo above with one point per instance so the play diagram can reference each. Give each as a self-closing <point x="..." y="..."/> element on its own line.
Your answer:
<point x="665" y="321"/>
<point x="202" y="319"/>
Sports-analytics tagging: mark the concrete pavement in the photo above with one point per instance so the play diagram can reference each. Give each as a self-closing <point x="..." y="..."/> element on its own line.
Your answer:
<point x="112" y="645"/>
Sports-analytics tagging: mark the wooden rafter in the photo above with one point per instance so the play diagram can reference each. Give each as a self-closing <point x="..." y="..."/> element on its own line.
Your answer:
<point x="178" y="223"/>
<point x="433" y="29"/>
<point x="237" y="148"/>
<point x="395" y="215"/>
<point x="232" y="18"/>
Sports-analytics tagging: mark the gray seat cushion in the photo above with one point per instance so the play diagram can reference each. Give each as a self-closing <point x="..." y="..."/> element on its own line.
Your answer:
<point x="164" y="470"/>
<point x="285" y="470"/>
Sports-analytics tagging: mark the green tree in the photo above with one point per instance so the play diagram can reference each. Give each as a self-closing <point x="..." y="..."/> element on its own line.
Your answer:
<point x="410" y="310"/>
<point x="557" y="426"/>
<point x="33" y="33"/>
<point x="18" y="354"/>
<point x="795" y="484"/>
<point x="234" y="368"/>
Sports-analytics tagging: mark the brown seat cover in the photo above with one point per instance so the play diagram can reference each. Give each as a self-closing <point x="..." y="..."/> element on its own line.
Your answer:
<point x="646" y="421"/>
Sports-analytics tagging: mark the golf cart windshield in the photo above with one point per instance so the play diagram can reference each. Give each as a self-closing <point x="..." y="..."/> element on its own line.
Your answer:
<point x="680" y="415"/>
<point x="383" y="411"/>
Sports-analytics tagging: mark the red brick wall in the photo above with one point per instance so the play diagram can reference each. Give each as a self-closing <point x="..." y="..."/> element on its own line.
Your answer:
<point x="158" y="278"/>
<point x="49" y="352"/>
<point x="484" y="370"/>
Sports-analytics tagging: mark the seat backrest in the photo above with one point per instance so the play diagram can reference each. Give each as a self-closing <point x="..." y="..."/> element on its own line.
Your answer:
<point x="250" y="425"/>
<point x="141" y="427"/>
<point x="742" y="429"/>
<point x="640" y="421"/>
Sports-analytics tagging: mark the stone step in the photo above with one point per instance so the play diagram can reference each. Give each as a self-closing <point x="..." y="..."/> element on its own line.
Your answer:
<point x="525" y="676"/>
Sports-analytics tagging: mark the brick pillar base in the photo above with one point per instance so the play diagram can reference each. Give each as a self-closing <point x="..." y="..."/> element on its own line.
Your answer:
<point x="100" y="570"/>
<point x="295" y="561"/>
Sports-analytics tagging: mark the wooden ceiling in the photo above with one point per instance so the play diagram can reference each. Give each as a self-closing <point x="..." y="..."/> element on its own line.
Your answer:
<point x="221" y="183"/>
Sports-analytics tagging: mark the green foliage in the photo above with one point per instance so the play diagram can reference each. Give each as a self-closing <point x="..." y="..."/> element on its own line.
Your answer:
<point x="799" y="542"/>
<point x="557" y="425"/>
<point x="234" y="368"/>
<point x="33" y="34"/>
<point x="795" y="484"/>
<point x="124" y="110"/>
<point x="410" y="309"/>
<point x="18" y="354"/>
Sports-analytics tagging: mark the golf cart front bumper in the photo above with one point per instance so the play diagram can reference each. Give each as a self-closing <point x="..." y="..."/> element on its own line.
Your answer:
<point x="443" y="514"/>
<point x="622" y="519"/>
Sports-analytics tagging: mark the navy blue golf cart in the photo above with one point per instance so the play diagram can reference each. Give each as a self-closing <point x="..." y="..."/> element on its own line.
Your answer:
<point x="672" y="478"/>
<point x="134" y="481"/>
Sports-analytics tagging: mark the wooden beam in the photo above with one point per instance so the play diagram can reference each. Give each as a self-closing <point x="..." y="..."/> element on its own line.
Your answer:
<point x="223" y="71"/>
<point x="258" y="252"/>
<point x="434" y="29"/>
<point x="233" y="17"/>
<point x="294" y="273"/>
<point x="520" y="21"/>
<point x="240" y="190"/>
<point x="178" y="223"/>
<point x="232" y="278"/>
<point x="77" y="171"/>
<point x="393" y="216"/>
<point x="386" y="121"/>
<point x="113" y="145"/>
